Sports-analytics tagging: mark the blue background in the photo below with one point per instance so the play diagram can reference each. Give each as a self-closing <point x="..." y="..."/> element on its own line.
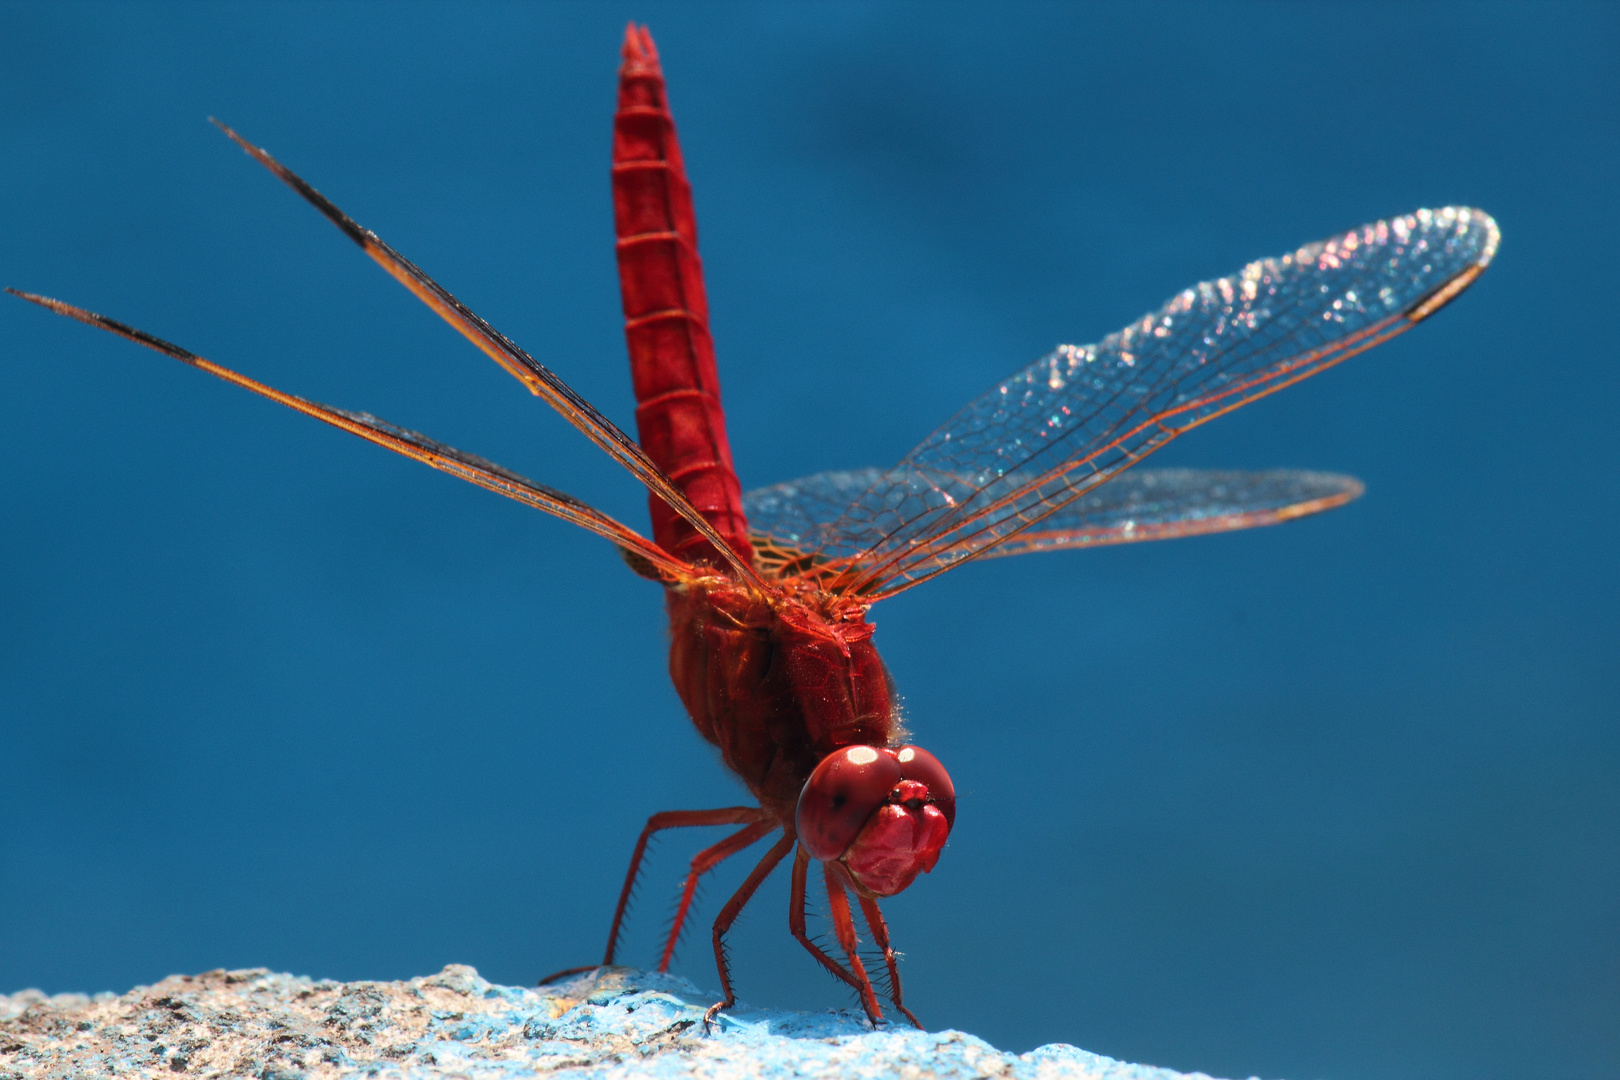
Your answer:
<point x="1337" y="799"/>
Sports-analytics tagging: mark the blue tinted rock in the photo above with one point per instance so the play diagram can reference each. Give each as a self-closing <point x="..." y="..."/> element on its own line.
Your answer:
<point x="611" y="1023"/>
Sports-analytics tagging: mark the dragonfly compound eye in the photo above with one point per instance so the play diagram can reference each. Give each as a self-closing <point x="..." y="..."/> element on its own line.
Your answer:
<point x="841" y="795"/>
<point x="884" y="813"/>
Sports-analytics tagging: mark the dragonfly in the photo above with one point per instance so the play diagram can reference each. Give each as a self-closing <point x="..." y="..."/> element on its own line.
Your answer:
<point x="768" y="592"/>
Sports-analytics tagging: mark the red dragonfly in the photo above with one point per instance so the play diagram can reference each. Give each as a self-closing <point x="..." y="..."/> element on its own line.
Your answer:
<point x="767" y="593"/>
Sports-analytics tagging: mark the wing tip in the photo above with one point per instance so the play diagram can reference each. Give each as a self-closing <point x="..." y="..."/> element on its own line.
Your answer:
<point x="1349" y="490"/>
<point x="1472" y="215"/>
<point x="60" y="307"/>
<point x="1466" y="218"/>
<point x="1340" y="486"/>
<point x="231" y="133"/>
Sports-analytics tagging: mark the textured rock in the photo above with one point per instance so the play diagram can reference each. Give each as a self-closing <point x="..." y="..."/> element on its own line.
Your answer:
<point x="618" y="1022"/>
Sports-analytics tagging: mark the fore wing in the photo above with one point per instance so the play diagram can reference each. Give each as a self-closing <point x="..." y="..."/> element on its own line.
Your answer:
<point x="1141" y="504"/>
<point x="1082" y="414"/>
<point x="412" y="444"/>
<point x="540" y="380"/>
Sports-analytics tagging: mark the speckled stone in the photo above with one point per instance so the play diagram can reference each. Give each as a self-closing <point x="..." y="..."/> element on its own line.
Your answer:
<point x="617" y="1022"/>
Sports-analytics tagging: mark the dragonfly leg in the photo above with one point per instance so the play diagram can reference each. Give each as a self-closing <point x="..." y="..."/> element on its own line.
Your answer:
<point x="880" y="934"/>
<point x="844" y="928"/>
<point x="669" y="819"/>
<point x="796" y="906"/>
<point x="702" y="863"/>
<point x="733" y="908"/>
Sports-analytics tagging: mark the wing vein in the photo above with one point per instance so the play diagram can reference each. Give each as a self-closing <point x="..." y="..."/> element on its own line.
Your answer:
<point x="540" y="380"/>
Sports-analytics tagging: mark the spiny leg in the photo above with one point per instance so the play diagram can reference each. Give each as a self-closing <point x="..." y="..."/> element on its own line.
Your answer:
<point x="702" y="863"/>
<point x="880" y="934"/>
<point x="733" y="908"/>
<point x="669" y="819"/>
<point x="796" y="907"/>
<point x="844" y="928"/>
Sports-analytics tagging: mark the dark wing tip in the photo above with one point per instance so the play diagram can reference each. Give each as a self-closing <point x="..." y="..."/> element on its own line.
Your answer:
<point x="59" y="307"/>
<point x="352" y="228"/>
<point x="1468" y="217"/>
<point x="112" y="326"/>
<point x="231" y="134"/>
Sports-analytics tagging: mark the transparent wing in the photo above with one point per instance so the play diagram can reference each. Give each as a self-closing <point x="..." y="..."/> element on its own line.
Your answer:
<point x="785" y="521"/>
<point x="794" y="513"/>
<point x="1161" y="504"/>
<point x="540" y="380"/>
<point x="1141" y="504"/>
<point x="1082" y="414"/>
<point x="643" y="553"/>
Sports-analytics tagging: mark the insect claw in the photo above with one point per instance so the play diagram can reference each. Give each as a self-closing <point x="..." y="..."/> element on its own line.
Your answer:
<point x="566" y="972"/>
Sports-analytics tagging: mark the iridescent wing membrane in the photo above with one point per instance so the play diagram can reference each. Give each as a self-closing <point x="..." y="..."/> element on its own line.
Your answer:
<point x="1160" y="504"/>
<point x="1141" y="504"/>
<point x="1077" y="417"/>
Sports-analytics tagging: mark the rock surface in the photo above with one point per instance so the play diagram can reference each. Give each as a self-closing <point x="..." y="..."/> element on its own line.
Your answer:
<point x="616" y="1022"/>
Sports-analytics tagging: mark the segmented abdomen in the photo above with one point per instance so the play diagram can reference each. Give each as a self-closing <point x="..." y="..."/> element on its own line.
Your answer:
<point x="678" y="415"/>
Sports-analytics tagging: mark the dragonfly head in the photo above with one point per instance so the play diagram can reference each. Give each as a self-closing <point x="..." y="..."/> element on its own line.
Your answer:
<point x="883" y="813"/>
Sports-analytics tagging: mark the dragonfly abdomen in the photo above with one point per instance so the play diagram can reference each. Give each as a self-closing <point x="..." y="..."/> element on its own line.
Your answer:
<point x="679" y="419"/>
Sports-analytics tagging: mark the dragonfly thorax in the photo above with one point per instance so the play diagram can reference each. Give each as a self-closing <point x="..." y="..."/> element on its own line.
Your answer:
<point x="777" y="682"/>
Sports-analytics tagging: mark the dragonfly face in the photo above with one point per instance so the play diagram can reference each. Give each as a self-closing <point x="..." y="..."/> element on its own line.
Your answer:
<point x="881" y="814"/>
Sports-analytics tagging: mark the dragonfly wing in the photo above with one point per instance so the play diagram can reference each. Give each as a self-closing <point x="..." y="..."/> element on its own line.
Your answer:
<point x="1161" y="504"/>
<point x="794" y="513"/>
<point x="785" y="521"/>
<point x="540" y="380"/>
<point x="1082" y="414"/>
<point x="1141" y="504"/>
<point x="642" y="552"/>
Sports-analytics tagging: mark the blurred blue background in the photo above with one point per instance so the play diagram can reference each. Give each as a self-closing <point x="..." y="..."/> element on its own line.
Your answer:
<point x="1337" y="799"/>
